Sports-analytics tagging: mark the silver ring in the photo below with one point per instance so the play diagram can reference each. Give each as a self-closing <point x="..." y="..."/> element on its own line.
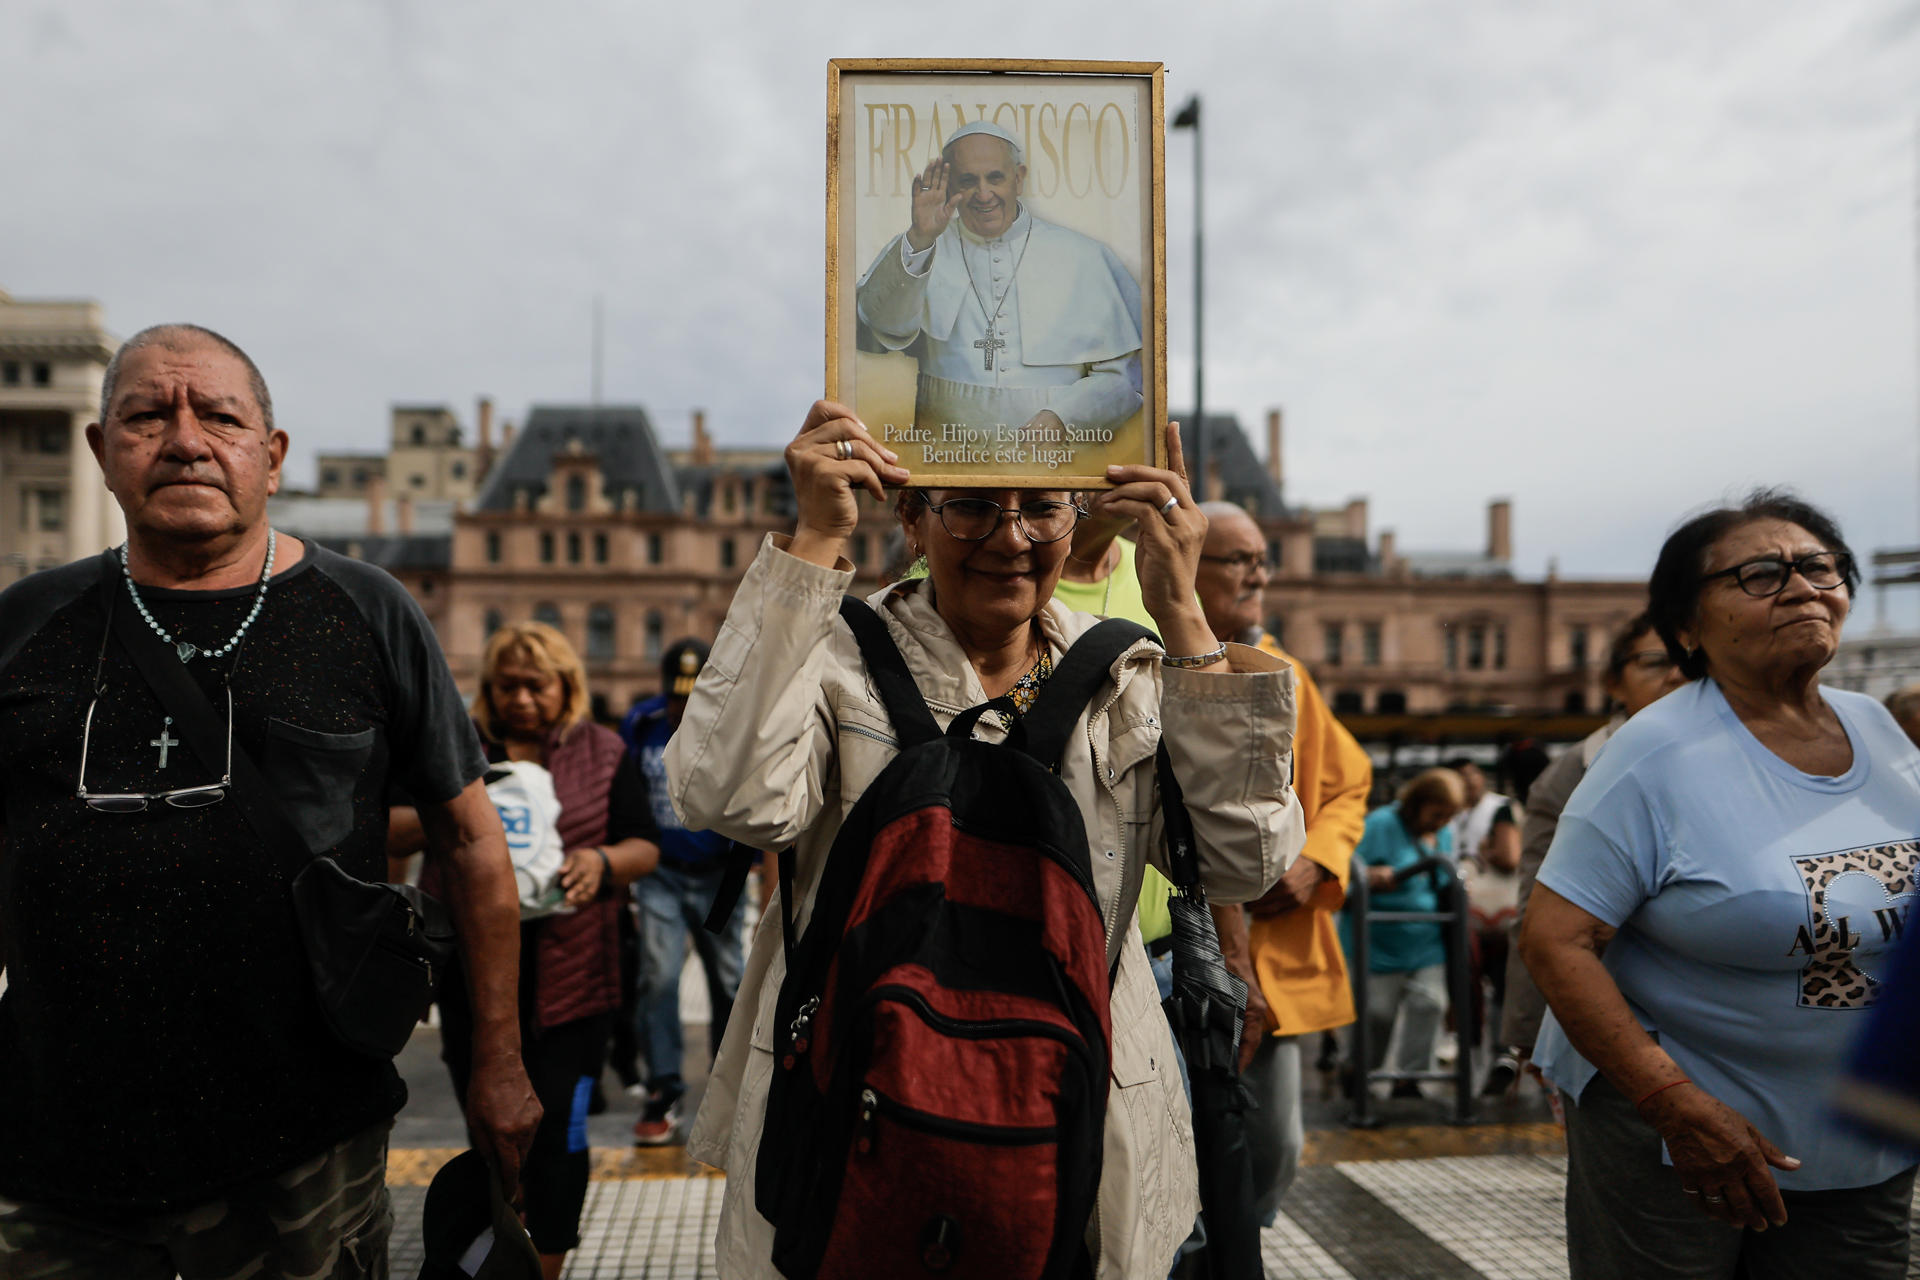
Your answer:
<point x="1166" y="508"/>
<point x="845" y="449"/>
<point x="1690" y="1191"/>
<point x="1716" y="1199"/>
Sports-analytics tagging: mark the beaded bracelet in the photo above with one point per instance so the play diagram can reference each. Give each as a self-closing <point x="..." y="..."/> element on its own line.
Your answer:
<point x="1197" y="660"/>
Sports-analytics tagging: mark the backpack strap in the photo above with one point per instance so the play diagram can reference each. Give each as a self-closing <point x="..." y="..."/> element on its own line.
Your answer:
<point x="733" y="882"/>
<point x="905" y="705"/>
<point x="1083" y="668"/>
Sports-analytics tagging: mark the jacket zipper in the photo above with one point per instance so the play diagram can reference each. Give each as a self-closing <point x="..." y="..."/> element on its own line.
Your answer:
<point x="876" y="736"/>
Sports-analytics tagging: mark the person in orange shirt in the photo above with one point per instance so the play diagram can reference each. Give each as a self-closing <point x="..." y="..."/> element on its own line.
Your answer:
<point x="1290" y="954"/>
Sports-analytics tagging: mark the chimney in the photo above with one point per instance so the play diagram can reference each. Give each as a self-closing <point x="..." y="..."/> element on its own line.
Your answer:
<point x="1273" y="445"/>
<point x="1389" y="547"/>
<point x="1500" y="529"/>
<point x="1214" y="491"/>
<point x="702" y="442"/>
<point x="506" y="435"/>
<point x="1357" y="518"/>
<point x="403" y="513"/>
<point x="484" y="416"/>
<point x="376" y="503"/>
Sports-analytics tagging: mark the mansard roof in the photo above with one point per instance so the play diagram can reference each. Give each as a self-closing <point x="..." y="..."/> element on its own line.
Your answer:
<point x="635" y="469"/>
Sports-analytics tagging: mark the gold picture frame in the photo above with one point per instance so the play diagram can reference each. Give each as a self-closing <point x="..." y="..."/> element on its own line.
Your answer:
<point x="1047" y="416"/>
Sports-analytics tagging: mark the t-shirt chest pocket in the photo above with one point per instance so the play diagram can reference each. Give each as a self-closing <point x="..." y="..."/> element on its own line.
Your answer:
<point x="314" y="776"/>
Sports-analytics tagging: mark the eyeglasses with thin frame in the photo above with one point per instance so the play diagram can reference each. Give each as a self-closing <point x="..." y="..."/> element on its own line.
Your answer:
<point x="976" y="519"/>
<point x="136" y="801"/>
<point x="1767" y="576"/>
<point x="1241" y="561"/>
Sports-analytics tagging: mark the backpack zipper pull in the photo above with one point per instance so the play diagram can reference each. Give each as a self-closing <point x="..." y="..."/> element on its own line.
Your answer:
<point x="869" y="1106"/>
<point x="797" y="1031"/>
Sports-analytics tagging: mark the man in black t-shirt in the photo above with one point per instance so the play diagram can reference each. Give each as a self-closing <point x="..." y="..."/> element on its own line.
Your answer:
<point x="170" y="1097"/>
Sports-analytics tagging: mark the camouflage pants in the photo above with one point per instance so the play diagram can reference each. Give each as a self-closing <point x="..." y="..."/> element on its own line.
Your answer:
<point x="325" y="1219"/>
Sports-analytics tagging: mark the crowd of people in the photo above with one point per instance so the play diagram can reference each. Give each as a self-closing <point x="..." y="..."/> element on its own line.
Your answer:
<point x="1675" y="924"/>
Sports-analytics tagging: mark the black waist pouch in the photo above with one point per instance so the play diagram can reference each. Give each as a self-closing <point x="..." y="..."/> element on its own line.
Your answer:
<point x="374" y="951"/>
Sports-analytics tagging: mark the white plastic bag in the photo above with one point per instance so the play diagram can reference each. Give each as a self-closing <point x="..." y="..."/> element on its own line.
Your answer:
<point x="530" y="811"/>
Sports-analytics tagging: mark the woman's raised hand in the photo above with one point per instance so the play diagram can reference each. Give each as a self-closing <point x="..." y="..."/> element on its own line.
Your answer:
<point x="833" y="456"/>
<point x="1169" y="530"/>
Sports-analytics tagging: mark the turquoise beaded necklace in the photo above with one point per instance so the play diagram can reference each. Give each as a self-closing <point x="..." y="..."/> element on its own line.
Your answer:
<point x="188" y="652"/>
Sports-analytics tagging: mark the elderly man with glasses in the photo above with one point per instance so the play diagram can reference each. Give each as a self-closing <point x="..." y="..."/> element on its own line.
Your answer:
<point x="171" y="1099"/>
<point x="1290" y="954"/>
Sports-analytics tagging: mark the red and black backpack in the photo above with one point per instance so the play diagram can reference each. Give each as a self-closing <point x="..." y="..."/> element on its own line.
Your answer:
<point x="943" y="1036"/>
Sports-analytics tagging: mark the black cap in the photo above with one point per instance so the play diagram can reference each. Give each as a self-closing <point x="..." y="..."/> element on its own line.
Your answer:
<point x="469" y="1230"/>
<point x="681" y="666"/>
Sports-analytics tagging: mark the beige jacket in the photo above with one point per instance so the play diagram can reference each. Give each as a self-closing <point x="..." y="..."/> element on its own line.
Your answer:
<point x="782" y="735"/>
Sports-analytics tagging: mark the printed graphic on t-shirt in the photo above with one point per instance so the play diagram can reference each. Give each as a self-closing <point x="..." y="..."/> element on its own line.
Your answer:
<point x="1860" y="901"/>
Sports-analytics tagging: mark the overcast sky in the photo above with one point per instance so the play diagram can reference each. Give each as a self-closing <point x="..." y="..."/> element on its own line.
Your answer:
<point x="1611" y="260"/>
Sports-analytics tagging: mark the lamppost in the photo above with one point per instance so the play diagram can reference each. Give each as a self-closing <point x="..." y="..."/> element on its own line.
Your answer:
<point x="1195" y="438"/>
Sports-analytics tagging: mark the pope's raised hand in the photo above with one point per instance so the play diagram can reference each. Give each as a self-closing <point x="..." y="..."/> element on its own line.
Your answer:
<point x="833" y="456"/>
<point x="933" y="208"/>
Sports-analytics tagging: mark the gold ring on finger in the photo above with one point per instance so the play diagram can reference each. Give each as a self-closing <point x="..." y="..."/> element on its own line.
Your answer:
<point x="845" y="449"/>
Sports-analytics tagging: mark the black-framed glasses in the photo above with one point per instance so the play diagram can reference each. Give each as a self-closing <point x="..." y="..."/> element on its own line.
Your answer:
<point x="1769" y="575"/>
<point x="135" y="801"/>
<point x="976" y="519"/>
<point x="1241" y="561"/>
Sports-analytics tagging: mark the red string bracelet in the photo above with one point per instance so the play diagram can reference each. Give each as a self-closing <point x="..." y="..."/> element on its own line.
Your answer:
<point x="1662" y="1089"/>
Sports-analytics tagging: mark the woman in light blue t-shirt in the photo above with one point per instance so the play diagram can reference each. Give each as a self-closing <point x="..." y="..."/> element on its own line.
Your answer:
<point x="1743" y="852"/>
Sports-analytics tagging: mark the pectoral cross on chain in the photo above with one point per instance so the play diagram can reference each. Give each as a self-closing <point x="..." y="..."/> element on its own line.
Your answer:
<point x="165" y="741"/>
<point x="988" y="345"/>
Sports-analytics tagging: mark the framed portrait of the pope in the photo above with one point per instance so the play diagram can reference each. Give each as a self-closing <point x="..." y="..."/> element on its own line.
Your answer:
<point x="996" y="270"/>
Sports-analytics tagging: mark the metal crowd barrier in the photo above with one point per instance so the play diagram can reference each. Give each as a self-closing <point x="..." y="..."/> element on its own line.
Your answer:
<point x="1459" y="986"/>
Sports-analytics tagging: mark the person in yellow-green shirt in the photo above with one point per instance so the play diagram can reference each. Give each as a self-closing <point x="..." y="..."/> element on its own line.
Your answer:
<point x="1289" y="955"/>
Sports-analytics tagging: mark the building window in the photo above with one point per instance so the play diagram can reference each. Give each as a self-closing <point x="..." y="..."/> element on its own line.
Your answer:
<point x="419" y="434"/>
<point x="548" y="612"/>
<point x="493" y="622"/>
<point x="1577" y="647"/>
<point x="10" y="373"/>
<point x="861" y="548"/>
<point x="359" y="477"/>
<point x="1277" y="628"/>
<point x="656" y="626"/>
<point x="53" y="510"/>
<point x="1332" y="634"/>
<point x="546" y="546"/>
<point x="600" y="633"/>
<point x="653" y="548"/>
<point x="726" y="553"/>
<point x="493" y="546"/>
<point x="1273" y="555"/>
<point x="1451" y="644"/>
<point x="458" y="470"/>
<point x="1391" y="702"/>
<point x="330" y="478"/>
<point x="417" y="480"/>
<point x="1476" y="648"/>
<point x="1347" y="702"/>
<point x="599" y="548"/>
<point x="1576" y="703"/>
<point x="42" y="374"/>
<point x="1499" y="648"/>
<point x="53" y="440"/>
<point x="573" y="548"/>
<point x="1370" y="644"/>
<point x="576" y="493"/>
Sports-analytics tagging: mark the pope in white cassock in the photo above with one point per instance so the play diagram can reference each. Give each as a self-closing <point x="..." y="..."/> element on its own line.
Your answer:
<point x="1014" y="320"/>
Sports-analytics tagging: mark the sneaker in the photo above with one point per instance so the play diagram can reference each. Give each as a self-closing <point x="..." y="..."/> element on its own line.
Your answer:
<point x="659" y="1122"/>
<point x="1500" y="1076"/>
